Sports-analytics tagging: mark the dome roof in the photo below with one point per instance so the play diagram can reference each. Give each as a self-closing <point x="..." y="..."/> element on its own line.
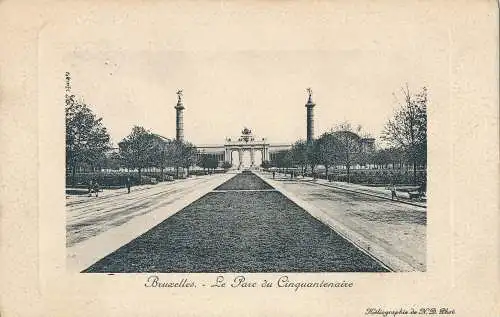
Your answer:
<point x="246" y="131"/>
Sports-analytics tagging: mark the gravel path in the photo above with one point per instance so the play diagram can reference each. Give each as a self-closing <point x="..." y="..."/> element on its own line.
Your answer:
<point x="87" y="217"/>
<point x="239" y="231"/>
<point x="399" y="229"/>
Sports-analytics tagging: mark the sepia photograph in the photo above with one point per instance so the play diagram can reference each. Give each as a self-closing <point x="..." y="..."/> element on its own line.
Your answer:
<point x="206" y="178"/>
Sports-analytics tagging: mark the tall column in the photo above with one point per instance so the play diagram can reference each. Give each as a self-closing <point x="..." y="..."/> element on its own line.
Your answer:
<point x="240" y="158"/>
<point x="179" y="118"/>
<point x="310" y="117"/>
<point x="252" y="157"/>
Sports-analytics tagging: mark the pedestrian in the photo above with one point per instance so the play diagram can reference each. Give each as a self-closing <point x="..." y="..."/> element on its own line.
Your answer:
<point x="91" y="187"/>
<point x="393" y="191"/>
<point x="274" y="174"/>
<point x="422" y="189"/>
<point x="128" y="184"/>
<point x="96" y="188"/>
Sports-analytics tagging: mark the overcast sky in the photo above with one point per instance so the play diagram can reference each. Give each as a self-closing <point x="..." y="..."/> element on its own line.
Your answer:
<point x="258" y="80"/>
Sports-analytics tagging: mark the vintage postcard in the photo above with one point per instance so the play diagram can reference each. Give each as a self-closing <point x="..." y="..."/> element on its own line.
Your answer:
<point x="250" y="158"/>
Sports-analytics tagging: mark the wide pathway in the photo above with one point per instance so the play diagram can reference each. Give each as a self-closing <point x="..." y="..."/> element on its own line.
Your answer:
<point x="89" y="216"/>
<point x="394" y="232"/>
<point x="96" y="226"/>
<point x="244" y="225"/>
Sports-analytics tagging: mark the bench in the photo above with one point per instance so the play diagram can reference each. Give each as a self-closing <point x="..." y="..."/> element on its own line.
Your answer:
<point x="412" y="191"/>
<point x="415" y="195"/>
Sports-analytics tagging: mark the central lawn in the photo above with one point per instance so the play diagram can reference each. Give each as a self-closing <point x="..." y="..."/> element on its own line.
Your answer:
<point x="245" y="181"/>
<point x="239" y="232"/>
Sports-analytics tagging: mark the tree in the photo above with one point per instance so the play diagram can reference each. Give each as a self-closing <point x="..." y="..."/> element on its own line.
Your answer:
<point x="212" y="163"/>
<point x="113" y="160"/>
<point x="177" y="151"/>
<point x="350" y="144"/>
<point x="312" y="155"/>
<point x="381" y="157"/>
<point x="288" y="159"/>
<point x="161" y="153"/>
<point x="203" y="161"/>
<point x="208" y="161"/>
<point x="266" y="164"/>
<point x="87" y="140"/>
<point x="139" y="149"/>
<point x="188" y="155"/>
<point x="329" y="150"/>
<point x="299" y="154"/>
<point x="408" y="128"/>
<point x="283" y="159"/>
<point x="228" y="165"/>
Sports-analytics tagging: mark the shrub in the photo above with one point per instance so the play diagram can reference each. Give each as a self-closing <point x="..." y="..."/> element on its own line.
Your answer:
<point x="110" y="179"/>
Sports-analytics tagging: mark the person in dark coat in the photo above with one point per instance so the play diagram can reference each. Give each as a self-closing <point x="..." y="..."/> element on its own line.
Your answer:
<point x="393" y="191"/>
<point x="423" y="188"/>
<point x="96" y="188"/>
<point x="91" y="187"/>
<point x="128" y="185"/>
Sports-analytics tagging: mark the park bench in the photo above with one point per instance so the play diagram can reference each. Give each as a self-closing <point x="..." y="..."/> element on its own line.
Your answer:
<point x="414" y="192"/>
<point x="414" y="195"/>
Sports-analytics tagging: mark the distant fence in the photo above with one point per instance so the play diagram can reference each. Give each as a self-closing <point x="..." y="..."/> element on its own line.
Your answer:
<point x="378" y="177"/>
<point x="118" y="179"/>
<point x="114" y="179"/>
<point x="370" y="177"/>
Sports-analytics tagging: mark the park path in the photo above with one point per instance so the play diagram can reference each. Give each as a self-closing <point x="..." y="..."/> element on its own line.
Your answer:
<point x="393" y="232"/>
<point x="89" y="216"/>
<point x="95" y="226"/>
<point x="243" y="225"/>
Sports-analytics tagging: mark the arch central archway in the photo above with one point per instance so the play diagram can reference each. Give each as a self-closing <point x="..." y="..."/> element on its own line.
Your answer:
<point x="251" y="150"/>
<point x="246" y="151"/>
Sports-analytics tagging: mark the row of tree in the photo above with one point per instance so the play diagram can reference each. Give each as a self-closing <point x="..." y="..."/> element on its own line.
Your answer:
<point x="88" y="144"/>
<point x="341" y="145"/>
<point x="405" y="137"/>
<point x="142" y="149"/>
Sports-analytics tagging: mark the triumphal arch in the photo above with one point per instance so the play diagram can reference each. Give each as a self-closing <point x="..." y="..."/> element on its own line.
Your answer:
<point x="246" y="142"/>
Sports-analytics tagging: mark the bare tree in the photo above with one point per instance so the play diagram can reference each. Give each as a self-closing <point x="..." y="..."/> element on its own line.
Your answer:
<point x="408" y="128"/>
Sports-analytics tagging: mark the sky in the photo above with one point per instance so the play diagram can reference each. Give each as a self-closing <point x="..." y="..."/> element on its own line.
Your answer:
<point x="252" y="75"/>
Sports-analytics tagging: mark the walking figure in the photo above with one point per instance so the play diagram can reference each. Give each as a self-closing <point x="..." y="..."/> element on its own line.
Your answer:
<point x="96" y="188"/>
<point x="393" y="192"/>
<point x="422" y="189"/>
<point x="128" y="184"/>
<point x="91" y="187"/>
<point x="274" y="174"/>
